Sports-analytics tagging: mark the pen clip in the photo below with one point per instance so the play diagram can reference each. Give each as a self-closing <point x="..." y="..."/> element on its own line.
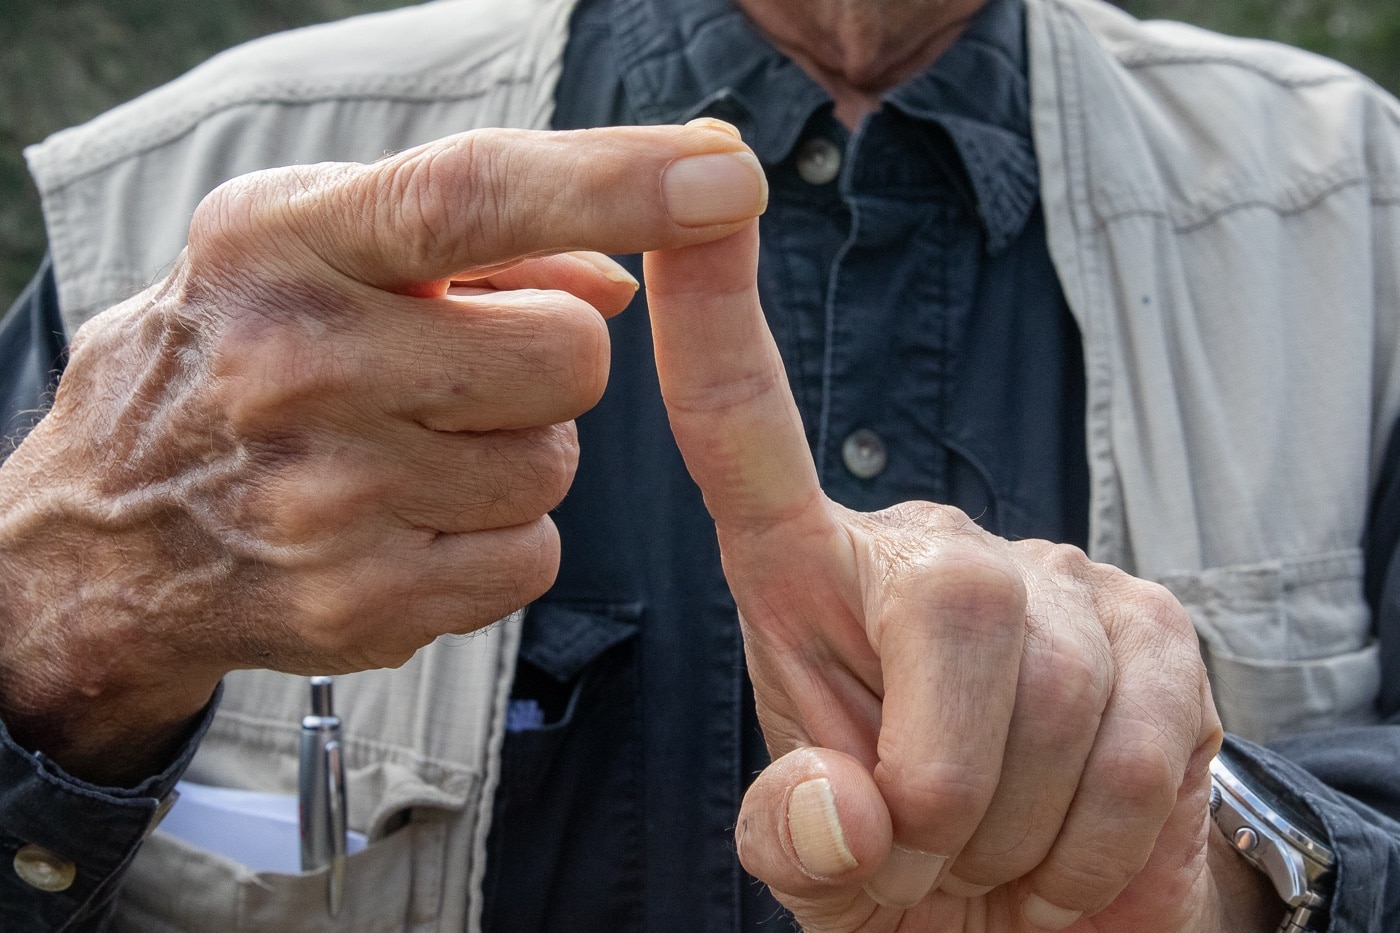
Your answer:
<point x="335" y="793"/>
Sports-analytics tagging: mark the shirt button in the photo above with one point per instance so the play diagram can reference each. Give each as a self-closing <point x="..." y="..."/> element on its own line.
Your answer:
<point x="40" y="868"/>
<point x="818" y="161"/>
<point x="864" y="453"/>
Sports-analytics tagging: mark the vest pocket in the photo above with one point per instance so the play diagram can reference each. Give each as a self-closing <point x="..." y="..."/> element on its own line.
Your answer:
<point x="175" y="887"/>
<point x="418" y="745"/>
<point x="1288" y="643"/>
<point x="393" y="885"/>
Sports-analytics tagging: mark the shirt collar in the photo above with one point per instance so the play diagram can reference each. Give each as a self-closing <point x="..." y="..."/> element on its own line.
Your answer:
<point x="683" y="58"/>
<point x="979" y="94"/>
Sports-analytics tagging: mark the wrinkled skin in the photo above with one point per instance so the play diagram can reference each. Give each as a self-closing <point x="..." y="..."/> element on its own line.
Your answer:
<point x="305" y="450"/>
<point x="971" y="735"/>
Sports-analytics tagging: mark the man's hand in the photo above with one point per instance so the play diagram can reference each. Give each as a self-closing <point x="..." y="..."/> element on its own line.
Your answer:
<point x="334" y="432"/>
<point x="970" y="734"/>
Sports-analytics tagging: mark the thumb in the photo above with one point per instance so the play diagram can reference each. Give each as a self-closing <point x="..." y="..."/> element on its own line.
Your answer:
<point x="813" y="827"/>
<point x="724" y="385"/>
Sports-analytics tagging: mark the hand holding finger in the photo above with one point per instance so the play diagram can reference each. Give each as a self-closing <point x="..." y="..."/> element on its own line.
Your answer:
<point x="255" y="445"/>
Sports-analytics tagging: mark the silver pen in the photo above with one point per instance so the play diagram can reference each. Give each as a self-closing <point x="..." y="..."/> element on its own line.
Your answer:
<point x="321" y="793"/>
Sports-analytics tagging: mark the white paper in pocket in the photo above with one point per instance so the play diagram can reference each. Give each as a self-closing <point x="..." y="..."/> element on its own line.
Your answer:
<point x="253" y="828"/>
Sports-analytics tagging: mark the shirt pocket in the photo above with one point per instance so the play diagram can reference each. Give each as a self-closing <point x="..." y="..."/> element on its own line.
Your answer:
<point x="395" y="884"/>
<point x="1288" y="643"/>
<point x="568" y="830"/>
<point x="576" y="674"/>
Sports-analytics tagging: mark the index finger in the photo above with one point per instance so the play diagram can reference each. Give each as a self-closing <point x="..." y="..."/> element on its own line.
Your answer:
<point x="480" y="199"/>
<point x="725" y="387"/>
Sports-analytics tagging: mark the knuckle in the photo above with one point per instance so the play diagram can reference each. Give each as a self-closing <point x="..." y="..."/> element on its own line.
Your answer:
<point x="267" y="371"/>
<point x="992" y="866"/>
<point x="1066" y="560"/>
<point x="1141" y="777"/>
<point x="935" y="554"/>
<point x="552" y="472"/>
<point x="408" y="187"/>
<point x="529" y="558"/>
<point x="594" y="358"/>
<point x="262" y="392"/>
<point x="537" y="566"/>
<point x="1090" y="880"/>
<point x="1065" y="684"/>
<point x="534" y="469"/>
<point x="935" y="795"/>
<point x="969" y="581"/>
<point x="243" y="217"/>
<point x="492" y="216"/>
<point x="457" y="195"/>
<point x="580" y="351"/>
<point x="1161" y="605"/>
<point x="928" y="517"/>
<point x="222" y="220"/>
<point x="298" y="510"/>
<point x="324" y="619"/>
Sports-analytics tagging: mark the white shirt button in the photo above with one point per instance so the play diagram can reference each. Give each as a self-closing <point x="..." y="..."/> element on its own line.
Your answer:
<point x="864" y="453"/>
<point x="40" y="868"/>
<point x="818" y="161"/>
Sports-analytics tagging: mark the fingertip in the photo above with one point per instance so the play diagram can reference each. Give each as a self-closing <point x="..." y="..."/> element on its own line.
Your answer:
<point x="618" y="288"/>
<point x="714" y="189"/>
<point x="906" y="877"/>
<point x="611" y="269"/>
<point x="594" y="277"/>
<point x="1045" y="916"/>
<point x="711" y="123"/>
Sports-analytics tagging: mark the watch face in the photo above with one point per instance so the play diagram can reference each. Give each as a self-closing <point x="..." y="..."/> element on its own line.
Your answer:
<point x="1282" y="801"/>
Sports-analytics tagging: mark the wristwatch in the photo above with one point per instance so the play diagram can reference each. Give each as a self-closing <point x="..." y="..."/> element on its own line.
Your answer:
<point x="1280" y="838"/>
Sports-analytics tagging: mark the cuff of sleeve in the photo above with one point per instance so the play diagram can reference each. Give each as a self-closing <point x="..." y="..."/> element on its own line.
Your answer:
<point x="97" y="830"/>
<point x="1365" y="843"/>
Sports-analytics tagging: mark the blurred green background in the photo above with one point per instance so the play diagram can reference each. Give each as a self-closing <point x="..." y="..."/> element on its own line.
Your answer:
<point x="63" y="61"/>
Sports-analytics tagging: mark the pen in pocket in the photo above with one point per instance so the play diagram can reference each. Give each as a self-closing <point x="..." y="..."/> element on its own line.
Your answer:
<point x="321" y="793"/>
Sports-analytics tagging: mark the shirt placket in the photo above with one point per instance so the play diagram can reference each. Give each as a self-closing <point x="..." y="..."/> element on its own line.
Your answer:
<point x="894" y="309"/>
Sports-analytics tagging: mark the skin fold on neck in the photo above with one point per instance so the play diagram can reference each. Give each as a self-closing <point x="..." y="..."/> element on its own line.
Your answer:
<point x="858" y="49"/>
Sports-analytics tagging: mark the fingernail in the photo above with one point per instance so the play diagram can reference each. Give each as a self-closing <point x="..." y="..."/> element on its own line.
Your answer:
<point x="906" y="877"/>
<point x="712" y="124"/>
<point x="1044" y="915"/>
<point x="955" y="886"/>
<point x="722" y="188"/>
<point x="610" y="268"/>
<point x="815" y="829"/>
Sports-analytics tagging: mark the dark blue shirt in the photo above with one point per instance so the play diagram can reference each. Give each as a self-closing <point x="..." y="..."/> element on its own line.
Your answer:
<point x="905" y="275"/>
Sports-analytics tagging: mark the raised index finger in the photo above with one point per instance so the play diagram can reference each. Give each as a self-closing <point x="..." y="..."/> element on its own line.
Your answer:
<point x="725" y="387"/>
<point x="481" y="199"/>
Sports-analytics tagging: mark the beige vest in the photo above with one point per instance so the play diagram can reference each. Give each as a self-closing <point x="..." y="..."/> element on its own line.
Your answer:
<point x="1225" y="219"/>
<point x="423" y="742"/>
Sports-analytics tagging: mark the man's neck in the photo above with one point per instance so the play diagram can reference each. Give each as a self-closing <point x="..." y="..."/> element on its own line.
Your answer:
<point x="858" y="49"/>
